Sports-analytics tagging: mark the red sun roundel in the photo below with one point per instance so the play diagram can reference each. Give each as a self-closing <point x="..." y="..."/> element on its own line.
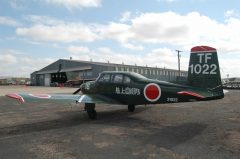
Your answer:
<point x="152" y="92"/>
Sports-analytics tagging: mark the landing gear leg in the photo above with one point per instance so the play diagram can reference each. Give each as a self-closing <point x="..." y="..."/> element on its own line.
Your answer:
<point x="90" y="108"/>
<point x="131" y="108"/>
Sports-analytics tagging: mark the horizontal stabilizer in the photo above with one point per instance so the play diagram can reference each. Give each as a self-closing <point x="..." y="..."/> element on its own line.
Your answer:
<point x="187" y="93"/>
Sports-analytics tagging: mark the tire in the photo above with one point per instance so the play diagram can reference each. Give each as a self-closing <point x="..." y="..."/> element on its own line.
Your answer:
<point x="92" y="114"/>
<point x="90" y="108"/>
<point x="131" y="108"/>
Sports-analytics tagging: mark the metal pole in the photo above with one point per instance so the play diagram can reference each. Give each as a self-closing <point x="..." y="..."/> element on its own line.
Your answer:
<point x="179" y="73"/>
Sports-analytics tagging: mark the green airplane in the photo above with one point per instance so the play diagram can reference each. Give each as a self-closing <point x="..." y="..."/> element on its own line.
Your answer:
<point x="129" y="88"/>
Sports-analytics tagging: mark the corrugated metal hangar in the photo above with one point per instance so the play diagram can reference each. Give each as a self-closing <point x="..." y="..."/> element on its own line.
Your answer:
<point x="66" y="71"/>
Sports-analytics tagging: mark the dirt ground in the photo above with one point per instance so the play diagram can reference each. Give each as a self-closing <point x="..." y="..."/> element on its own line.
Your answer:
<point x="193" y="130"/>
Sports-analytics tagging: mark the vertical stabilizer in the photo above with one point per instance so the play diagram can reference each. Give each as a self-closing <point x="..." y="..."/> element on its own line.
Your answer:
<point x="204" y="71"/>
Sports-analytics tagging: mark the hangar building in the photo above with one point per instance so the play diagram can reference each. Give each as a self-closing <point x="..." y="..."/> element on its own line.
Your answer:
<point x="64" y="70"/>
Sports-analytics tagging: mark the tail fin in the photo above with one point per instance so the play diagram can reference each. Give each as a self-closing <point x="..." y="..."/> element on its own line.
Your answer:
<point x="204" y="69"/>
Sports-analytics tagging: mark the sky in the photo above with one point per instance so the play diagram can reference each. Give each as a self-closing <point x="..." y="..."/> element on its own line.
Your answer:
<point x="35" y="33"/>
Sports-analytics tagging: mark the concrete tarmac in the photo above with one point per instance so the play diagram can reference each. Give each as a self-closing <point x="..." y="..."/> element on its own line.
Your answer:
<point x="194" y="130"/>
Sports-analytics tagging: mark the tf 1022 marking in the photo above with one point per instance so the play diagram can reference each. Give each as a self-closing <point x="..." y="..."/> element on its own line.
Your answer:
<point x="203" y="68"/>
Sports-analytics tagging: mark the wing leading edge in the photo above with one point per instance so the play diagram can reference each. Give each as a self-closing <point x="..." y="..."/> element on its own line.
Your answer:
<point x="85" y="98"/>
<point x="25" y="97"/>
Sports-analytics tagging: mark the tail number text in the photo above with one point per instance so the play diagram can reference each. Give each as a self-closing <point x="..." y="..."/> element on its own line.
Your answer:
<point x="203" y="69"/>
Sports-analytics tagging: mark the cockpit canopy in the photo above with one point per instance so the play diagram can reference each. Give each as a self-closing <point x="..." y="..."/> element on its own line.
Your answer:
<point x="118" y="77"/>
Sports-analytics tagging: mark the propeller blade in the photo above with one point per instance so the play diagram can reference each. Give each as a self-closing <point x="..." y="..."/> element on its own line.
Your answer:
<point x="78" y="90"/>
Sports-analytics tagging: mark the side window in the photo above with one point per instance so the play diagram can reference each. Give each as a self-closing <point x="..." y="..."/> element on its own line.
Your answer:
<point x="118" y="78"/>
<point x="104" y="78"/>
<point x="126" y="80"/>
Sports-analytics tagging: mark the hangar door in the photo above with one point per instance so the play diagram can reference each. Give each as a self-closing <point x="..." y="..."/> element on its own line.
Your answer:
<point x="47" y="80"/>
<point x="58" y="77"/>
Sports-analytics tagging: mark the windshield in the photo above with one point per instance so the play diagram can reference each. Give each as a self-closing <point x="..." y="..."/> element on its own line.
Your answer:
<point x="136" y="75"/>
<point x="104" y="78"/>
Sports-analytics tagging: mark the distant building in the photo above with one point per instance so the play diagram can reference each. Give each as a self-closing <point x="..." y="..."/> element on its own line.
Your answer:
<point x="233" y="80"/>
<point x="14" y="81"/>
<point x="231" y="83"/>
<point x="63" y="70"/>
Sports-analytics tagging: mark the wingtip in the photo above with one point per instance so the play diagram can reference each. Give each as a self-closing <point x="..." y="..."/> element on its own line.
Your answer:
<point x="16" y="96"/>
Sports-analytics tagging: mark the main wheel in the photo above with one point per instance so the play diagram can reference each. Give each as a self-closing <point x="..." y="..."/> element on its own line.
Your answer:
<point x="131" y="108"/>
<point x="92" y="114"/>
<point x="90" y="108"/>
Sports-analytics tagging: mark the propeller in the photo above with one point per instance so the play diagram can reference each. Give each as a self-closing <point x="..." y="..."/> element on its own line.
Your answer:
<point x="78" y="90"/>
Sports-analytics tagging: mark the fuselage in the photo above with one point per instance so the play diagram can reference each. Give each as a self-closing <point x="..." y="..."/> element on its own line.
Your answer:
<point x="131" y="88"/>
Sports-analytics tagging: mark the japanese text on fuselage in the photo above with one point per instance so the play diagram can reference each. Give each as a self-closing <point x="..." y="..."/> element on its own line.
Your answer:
<point x="127" y="91"/>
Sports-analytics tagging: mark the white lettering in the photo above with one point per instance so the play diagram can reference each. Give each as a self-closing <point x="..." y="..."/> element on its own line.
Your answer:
<point x="214" y="69"/>
<point x="200" y="57"/>
<point x="204" y="69"/>
<point x="208" y="56"/>
<point x="118" y="90"/>
<point x="197" y="68"/>
<point x="174" y="100"/>
<point x="127" y="91"/>
<point x="191" y="68"/>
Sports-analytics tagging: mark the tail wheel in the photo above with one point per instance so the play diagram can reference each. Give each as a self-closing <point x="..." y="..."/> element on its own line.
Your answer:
<point x="131" y="108"/>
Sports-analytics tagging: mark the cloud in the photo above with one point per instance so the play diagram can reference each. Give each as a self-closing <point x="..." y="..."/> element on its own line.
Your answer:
<point x="8" y="21"/>
<point x="44" y="20"/>
<point x="121" y="33"/>
<point x="59" y="33"/>
<point x="70" y="4"/>
<point x="14" y="63"/>
<point x="47" y="29"/>
<point x="178" y="30"/>
<point x="229" y="66"/>
<point x="78" y="49"/>
<point x="28" y="65"/>
<point x="125" y="16"/>
<point x="161" y="57"/>
<point x="231" y="13"/>
<point x="118" y="31"/>
<point x="131" y="46"/>
<point x="147" y="28"/>
<point x="6" y="59"/>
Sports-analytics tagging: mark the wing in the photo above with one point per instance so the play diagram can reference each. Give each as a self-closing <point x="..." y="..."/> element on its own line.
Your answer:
<point x="25" y="97"/>
<point x="99" y="99"/>
<point x="85" y="98"/>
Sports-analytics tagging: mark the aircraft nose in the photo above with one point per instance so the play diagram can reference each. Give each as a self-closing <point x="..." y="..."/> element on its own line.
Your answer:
<point x="85" y="87"/>
<point x="82" y="86"/>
